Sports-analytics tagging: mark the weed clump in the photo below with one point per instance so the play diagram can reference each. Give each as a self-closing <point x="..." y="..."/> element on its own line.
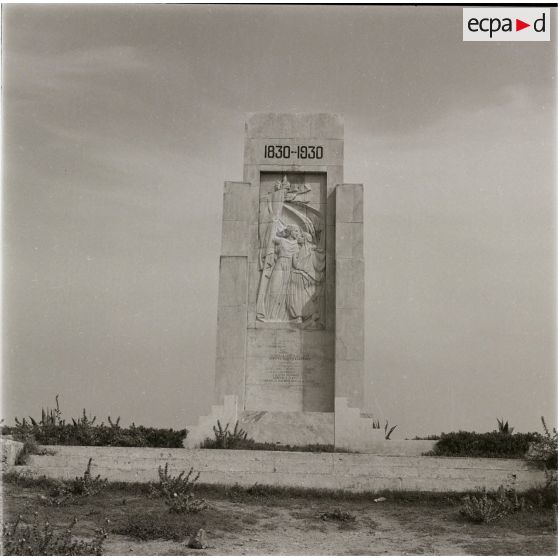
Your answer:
<point x="545" y="448"/>
<point x="486" y="508"/>
<point x="81" y="487"/>
<point x="150" y="526"/>
<point x="387" y="430"/>
<point x="87" y="484"/>
<point x="178" y="491"/>
<point x="36" y="539"/>
<point x="226" y="439"/>
<point x="337" y="515"/>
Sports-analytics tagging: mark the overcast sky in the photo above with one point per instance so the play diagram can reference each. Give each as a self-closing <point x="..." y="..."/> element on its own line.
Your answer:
<point x="122" y="122"/>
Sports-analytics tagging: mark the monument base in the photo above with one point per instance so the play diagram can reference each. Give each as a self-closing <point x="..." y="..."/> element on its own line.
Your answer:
<point x="288" y="428"/>
<point x="294" y="429"/>
<point x="348" y="429"/>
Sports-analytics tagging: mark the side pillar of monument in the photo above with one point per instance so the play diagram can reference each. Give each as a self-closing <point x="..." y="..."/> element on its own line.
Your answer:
<point x="231" y="315"/>
<point x="353" y="428"/>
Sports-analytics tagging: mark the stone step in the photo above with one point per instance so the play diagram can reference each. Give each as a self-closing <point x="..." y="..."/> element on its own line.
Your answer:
<point x="292" y="428"/>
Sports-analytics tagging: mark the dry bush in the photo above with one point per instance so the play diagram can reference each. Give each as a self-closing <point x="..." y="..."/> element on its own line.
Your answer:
<point x="178" y="491"/>
<point x="40" y="539"/>
<point x="486" y="508"/>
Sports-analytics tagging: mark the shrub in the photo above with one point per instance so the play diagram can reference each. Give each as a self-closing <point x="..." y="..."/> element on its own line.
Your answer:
<point x="489" y="444"/>
<point x="87" y="484"/>
<point x="38" y="539"/>
<point x="545" y="448"/>
<point x="545" y="496"/>
<point x="225" y="439"/>
<point x="81" y="487"/>
<point x="52" y="429"/>
<point x="486" y="508"/>
<point x="178" y="492"/>
<point x="545" y="451"/>
<point x="157" y="437"/>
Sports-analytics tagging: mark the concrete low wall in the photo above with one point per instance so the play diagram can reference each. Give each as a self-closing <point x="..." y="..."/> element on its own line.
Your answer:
<point x="352" y="472"/>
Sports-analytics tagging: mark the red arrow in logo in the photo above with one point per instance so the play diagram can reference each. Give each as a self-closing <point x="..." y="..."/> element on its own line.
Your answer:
<point x="519" y="25"/>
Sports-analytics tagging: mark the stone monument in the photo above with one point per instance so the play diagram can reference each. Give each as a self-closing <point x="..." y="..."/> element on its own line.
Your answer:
<point x="290" y="329"/>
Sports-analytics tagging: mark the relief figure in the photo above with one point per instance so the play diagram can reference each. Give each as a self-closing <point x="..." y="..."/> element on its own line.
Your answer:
<point x="306" y="281"/>
<point x="286" y="246"/>
<point x="291" y="257"/>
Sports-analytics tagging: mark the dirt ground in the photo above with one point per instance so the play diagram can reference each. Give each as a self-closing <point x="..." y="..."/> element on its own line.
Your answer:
<point x="237" y="524"/>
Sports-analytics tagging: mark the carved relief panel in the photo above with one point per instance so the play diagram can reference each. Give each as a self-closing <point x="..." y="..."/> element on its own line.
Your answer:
<point x="292" y="251"/>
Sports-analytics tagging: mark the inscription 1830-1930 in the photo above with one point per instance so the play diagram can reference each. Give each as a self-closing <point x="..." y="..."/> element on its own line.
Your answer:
<point x="298" y="151"/>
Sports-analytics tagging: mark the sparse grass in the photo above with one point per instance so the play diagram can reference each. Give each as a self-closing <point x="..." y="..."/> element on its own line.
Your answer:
<point x="157" y="523"/>
<point x="267" y="493"/>
<point x="338" y="515"/>
<point x="149" y="526"/>
<point x="36" y="538"/>
<point x="24" y="479"/>
<point x="250" y="444"/>
<point x="275" y="517"/>
<point x="255" y="492"/>
<point x="260" y="493"/>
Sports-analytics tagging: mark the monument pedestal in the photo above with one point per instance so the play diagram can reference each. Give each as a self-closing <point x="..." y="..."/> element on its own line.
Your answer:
<point x="290" y="334"/>
<point x="289" y="428"/>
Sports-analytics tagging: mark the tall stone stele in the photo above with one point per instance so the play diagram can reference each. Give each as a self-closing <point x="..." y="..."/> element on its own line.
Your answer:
<point x="290" y="331"/>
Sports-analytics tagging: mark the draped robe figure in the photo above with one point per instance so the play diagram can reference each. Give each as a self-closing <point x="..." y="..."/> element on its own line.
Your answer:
<point x="305" y="288"/>
<point x="281" y="296"/>
<point x="276" y="296"/>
